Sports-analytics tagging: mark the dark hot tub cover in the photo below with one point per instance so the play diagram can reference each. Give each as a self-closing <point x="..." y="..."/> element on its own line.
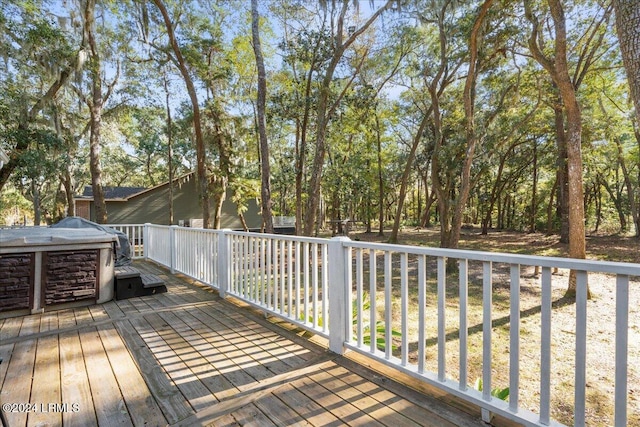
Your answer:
<point x="123" y="249"/>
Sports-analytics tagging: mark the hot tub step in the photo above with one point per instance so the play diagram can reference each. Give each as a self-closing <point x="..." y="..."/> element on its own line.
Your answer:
<point x="130" y="285"/>
<point x="151" y="281"/>
<point x="126" y="272"/>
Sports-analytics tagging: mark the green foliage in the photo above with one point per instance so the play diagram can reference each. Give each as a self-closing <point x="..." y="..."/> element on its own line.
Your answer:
<point x="380" y="329"/>
<point x="378" y="97"/>
<point x="500" y="393"/>
<point x="14" y="207"/>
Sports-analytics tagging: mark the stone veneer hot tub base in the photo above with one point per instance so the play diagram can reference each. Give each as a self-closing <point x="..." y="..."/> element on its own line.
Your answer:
<point x="44" y="267"/>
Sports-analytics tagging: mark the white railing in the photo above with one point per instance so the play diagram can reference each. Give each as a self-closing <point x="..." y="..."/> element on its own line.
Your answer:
<point x="285" y="275"/>
<point x="417" y="308"/>
<point x="135" y="232"/>
<point x="159" y="245"/>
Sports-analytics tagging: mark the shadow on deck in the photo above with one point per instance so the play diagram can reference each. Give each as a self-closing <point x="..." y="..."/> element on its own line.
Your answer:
<point x="187" y="357"/>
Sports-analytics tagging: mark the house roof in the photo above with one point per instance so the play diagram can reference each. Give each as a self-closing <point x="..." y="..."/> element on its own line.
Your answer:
<point x="122" y="194"/>
<point x="113" y="192"/>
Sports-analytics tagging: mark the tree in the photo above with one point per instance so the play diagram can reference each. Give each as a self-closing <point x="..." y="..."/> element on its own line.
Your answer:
<point x="265" y="171"/>
<point x="558" y="69"/>
<point x="169" y="131"/>
<point x="326" y="109"/>
<point x="469" y="96"/>
<point x="39" y="60"/>
<point x="36" y="176"/>
<point x="628" y="28"/>
<point x="201" y="157"/>
<point x="95" y="104"/>
<point x="306" y="52"/>
<point x="437" y="79"/>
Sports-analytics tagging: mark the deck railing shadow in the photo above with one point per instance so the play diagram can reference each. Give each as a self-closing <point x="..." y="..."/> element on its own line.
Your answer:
<point x="337" y="288"/>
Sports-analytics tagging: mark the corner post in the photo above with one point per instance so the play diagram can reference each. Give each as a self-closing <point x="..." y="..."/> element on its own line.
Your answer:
<point x="224" y="262"/>
<point x="145" y="240"/>
<point x="339" y="264"/>
<point x="173" y="255"/>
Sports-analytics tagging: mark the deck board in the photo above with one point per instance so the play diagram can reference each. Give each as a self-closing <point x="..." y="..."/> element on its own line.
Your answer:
<point x="47" y="388"/>
<point x="140" y="403"/>
<point x="17" y="381"/>
<point x="188" y="357"/>
<point x="74" y="382"/>
<point x="110" y="407"/>
<point x="171" y="402"/>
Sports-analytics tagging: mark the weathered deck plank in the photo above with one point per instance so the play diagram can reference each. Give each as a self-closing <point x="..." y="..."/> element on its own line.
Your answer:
<point x="141" y="405"/>
<point x="110" y="407"/>
<point x="168" y="344"/>
<point x="74" y="383"/>
<point x="19" y="371"/>
<point x="187" y="357"/>
<point x="280" y="413"/>
<point x="47" y="370"/>
<point x="170" y="400"/>
<point x="10" y="329"/>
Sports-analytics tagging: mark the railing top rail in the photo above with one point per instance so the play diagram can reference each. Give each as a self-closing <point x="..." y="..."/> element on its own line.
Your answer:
<point x="610" y="267"/>
<point x="630" y="269"/>
<point x="159" y="226"/>
<point x="280" y="237"/>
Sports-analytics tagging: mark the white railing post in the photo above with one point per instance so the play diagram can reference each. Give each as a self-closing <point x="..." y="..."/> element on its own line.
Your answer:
<point x="224" y="262"/>
<point x="339" y="289"/>
<point x="172" y="249"/>
<point x="145" y="240"/>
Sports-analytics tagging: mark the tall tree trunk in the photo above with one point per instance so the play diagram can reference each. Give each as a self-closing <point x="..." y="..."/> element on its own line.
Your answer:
<point x="219" y="181"/>
<point x="558" y="69"/>
<point x="37" y="211"/>
<point x="534" y="189"/>
<point x="169" y="148"/>
<point x="265" y="171"/>
<point x="469" y="109"/>
<point x="437" y="85"/>
<point x="94" y="162"/>
<point x="68" y="191"/>
<point x="562" y="171"/>
<point x="203" y="179"/>
<point x="439" y="188"/>
<point x="301" y="148"/>
<point x="325" y="111"/>
<point x="628" y="28"/>
<point x="380" y="179"/>
<point x="95" y="107"/>
<point x="577" y="243"/>
<point x="405" y="176"/>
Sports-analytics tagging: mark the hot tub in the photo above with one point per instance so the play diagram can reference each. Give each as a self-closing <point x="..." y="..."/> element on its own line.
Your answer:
<point x="54" y="267"/>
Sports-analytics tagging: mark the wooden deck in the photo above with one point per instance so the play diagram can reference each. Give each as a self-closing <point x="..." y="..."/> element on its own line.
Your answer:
<point x="187" y="357"/>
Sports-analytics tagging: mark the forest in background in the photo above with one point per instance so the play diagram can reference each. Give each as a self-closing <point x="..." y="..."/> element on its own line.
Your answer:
<point x="513" y="114"/>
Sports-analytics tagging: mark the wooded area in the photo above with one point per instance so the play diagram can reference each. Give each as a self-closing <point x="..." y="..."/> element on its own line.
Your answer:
<point x="507" y="115"/>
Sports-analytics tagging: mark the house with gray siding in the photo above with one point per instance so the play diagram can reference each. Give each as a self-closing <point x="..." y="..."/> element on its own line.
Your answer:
<point x="136" y="205"/>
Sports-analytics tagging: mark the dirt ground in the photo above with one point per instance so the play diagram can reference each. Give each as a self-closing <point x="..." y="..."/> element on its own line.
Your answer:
<point x="600" y="329"/>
